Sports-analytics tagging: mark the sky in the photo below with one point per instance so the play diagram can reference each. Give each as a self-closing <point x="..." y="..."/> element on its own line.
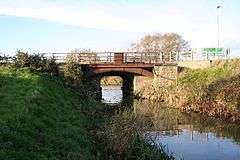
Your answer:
<point x="113" y="25"/>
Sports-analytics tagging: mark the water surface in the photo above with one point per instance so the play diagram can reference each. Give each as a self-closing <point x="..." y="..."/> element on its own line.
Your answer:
<point x="186" y="136"/>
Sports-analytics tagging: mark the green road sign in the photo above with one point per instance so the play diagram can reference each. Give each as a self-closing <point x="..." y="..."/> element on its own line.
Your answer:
<point x="213" y="51"/>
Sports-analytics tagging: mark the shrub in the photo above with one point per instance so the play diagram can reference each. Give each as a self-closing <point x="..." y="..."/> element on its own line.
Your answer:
<point x="51" y="66"/>
<point x="4" y="58"/>
<point x="21" y="59"/>
<point x="36" y="62"/>
<point x="72" y="69"/>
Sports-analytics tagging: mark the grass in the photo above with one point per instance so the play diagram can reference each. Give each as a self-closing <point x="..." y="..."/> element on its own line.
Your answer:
<point x="40" y="118"/>
<point x="125" y="134"/>
<point x="214" y="91"/>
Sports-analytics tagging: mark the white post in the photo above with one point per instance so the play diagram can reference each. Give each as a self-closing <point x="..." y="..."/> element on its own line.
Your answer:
<point x="161" y="58"/>
<point x="192" y="55"/>
<point x="218" y="25"/>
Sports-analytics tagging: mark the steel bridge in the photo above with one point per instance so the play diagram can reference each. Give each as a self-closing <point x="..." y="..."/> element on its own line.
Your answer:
<point x="116" y="57"/>
<point x="137" y="63"/>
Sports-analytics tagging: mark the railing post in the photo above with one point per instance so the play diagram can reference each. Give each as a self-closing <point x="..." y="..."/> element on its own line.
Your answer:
<point x="95" y="58"/>
<point x="150" y="58"/>
<point x="178" y="56"/>
<point x="110" y="57"/>
<point x="192" y="55"/>
<point x="161" y="57"/>
<point x="170" y="57"/>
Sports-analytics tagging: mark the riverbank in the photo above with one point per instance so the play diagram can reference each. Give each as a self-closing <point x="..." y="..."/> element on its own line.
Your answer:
<point x="214" y="91"/>
<point x="42" y="118"/>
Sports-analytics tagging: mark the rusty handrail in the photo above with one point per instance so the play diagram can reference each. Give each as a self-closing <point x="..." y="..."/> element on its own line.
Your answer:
<point x="115" y="57"/>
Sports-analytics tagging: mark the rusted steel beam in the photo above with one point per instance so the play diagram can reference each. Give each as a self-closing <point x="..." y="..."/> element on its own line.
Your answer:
<point x="136" y="71"/>
<point x="121" y="65"/>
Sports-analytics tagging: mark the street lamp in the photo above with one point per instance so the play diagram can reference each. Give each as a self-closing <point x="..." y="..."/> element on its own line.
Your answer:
<point x="218" y="27"/>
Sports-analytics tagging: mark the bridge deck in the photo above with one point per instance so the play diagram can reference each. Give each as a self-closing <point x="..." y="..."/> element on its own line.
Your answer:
<point x="129" y="65"/>
<point x="103" y="58"/>
<point x="138" y="63"/>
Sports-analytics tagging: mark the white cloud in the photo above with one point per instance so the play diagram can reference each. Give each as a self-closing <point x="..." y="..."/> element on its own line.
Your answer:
<point x="196" y="20"/>
<point x="107" y="16"/>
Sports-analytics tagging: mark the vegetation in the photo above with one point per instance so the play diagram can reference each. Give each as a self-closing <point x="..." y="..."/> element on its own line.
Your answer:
<point x="35" y="62"/>
<point x="4" y="58"/>
<point x="214" y="91"/>
<point x="72" y="69"/>
<point x="125" y="136"/>
<point x="84" y="56"/>
<point x="41" y="118"/>
<point x="111" y="80"/>
<point x="165" y="43"/>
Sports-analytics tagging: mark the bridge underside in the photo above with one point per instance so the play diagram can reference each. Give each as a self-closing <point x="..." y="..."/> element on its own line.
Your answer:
<point x="127" y="71"/>
<point x="136" y="69"/>
<point x="127" y="85"/>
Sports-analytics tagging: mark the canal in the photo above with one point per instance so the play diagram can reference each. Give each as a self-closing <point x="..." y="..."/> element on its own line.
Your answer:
<point x="188" y="136"/>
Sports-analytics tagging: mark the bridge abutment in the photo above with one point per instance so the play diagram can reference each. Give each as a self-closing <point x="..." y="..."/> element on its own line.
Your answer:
<point x="163" y="76"/>
<point x="93" y="87"/>
<point x="166" y="74"/>
<point x="93" y="82"/>
<point x="127" y="86"/>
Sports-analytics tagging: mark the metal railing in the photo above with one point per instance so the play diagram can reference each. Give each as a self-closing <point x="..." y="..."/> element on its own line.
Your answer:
<point x="115" y="57"/>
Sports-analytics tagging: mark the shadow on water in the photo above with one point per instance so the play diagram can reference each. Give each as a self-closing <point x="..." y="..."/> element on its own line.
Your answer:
<point x="186" y="135"/>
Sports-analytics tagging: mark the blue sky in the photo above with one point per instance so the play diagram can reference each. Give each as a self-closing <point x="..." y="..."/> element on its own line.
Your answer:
<point x="62" y="25"/>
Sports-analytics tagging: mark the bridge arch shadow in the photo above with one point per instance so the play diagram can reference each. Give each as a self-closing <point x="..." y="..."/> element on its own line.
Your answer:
<point x="127" y="72"/>
<point x="127" y="81"/>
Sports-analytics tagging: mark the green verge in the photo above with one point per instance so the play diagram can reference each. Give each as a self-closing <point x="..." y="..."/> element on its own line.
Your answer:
<point x="40" y="118"/>
<point x="214" y="91"/>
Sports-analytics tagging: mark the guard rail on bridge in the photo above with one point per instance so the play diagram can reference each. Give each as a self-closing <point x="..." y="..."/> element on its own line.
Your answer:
<point x="115" y="57"/>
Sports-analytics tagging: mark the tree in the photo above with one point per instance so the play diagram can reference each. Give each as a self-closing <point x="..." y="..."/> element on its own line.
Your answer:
<point x="167" y="44"/>
<point x="84" y="56"/>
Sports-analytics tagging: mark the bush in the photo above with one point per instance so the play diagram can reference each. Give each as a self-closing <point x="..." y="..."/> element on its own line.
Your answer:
<point x="74" y="76"/>
<point x="73" y="62"/>
<point x="72" y="69"/>
<point x="36" y="62"/>
<point x="22" y="59"/>
<point x="4" y="59"/>
<point x="51" y="66"/>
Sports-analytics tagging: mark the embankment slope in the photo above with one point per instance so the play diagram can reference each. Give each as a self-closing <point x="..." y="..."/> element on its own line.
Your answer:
<point x="40" y="118"/>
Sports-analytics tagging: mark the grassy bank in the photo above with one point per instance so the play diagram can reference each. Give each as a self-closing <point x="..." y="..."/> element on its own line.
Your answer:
<point x="214" y="91"/>
<point x="40" y="118"/>
<point x="125" y="135"/>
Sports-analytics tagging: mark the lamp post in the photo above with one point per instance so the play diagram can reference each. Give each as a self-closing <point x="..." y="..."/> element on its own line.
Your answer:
<point x="218" y="25"/>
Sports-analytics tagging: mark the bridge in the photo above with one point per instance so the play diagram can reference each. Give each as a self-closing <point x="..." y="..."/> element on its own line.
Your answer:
<point x="127" y="65"/>
<point x="139" y="63"/>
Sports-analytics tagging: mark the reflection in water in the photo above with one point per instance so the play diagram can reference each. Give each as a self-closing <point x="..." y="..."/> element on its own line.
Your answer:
<point x="189" y="136"/>
<point x="111" y="94"/>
